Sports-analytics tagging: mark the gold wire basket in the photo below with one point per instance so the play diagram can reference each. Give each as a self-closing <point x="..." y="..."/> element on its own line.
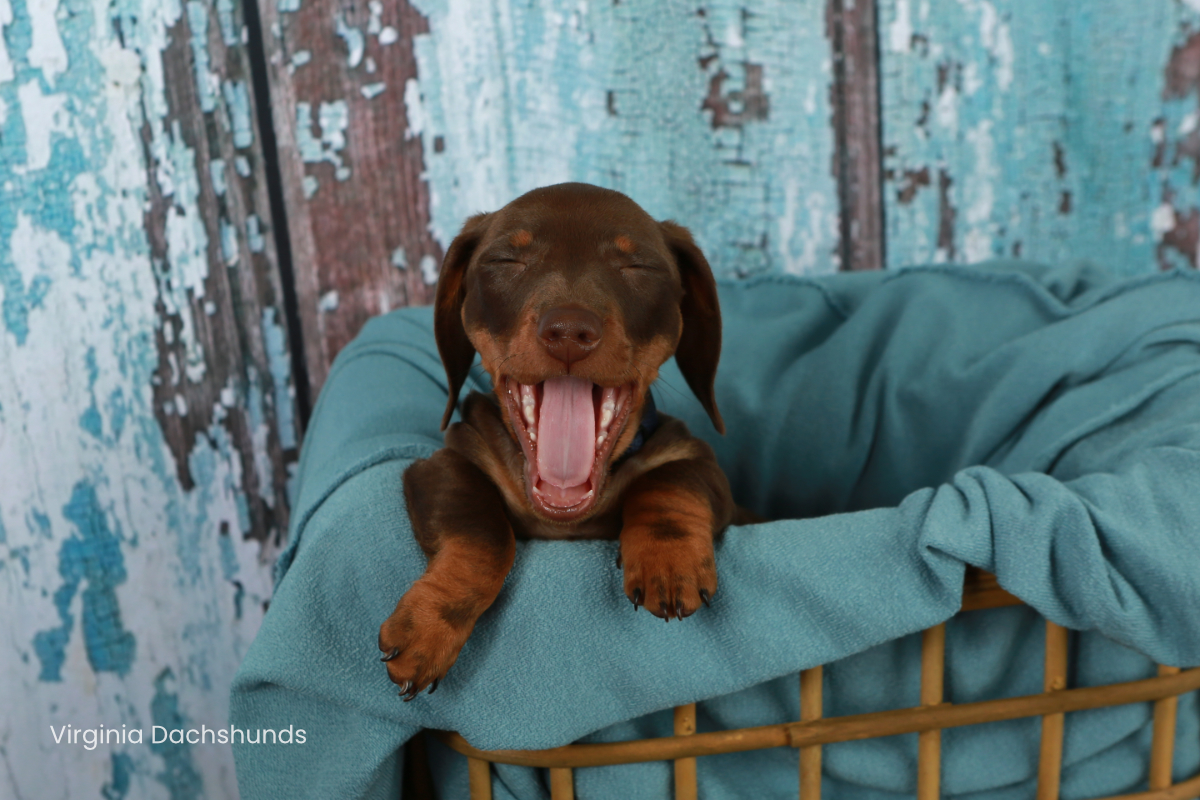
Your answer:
<point x="927" y="720"/>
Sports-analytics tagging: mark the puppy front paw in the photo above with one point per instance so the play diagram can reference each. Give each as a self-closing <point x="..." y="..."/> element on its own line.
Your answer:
<point x="671" y="577"/>
<point x="422" y="638"/>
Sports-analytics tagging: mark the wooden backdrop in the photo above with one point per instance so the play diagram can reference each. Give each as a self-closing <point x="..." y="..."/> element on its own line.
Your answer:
<point x="201" y="201"/>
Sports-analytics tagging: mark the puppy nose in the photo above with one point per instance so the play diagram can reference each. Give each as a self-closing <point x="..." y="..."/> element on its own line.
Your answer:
<point x="570" y="333"/>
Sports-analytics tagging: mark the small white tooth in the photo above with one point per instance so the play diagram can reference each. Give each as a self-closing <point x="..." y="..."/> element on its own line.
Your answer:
<point x="600" y="439"/>
<point x="528" y="404"/>
<point x="532" y="435"/>
<point x="606" y="416"/>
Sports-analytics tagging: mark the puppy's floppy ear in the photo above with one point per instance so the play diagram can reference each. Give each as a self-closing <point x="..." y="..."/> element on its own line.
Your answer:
<point x="455" y="348"/>
<point x="700" y="344"/>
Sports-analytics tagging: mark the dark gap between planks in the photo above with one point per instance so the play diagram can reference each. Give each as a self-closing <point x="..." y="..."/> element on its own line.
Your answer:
<point x="279" y="221"/>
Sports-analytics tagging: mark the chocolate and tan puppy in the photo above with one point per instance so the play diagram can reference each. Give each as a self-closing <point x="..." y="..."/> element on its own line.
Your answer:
<point x="573" y="297"/>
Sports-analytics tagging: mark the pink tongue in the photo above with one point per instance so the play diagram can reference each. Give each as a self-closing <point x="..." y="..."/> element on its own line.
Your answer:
<point x="566" y="434"/>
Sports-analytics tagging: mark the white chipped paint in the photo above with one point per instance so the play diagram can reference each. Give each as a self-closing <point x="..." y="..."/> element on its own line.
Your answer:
<point x="254" y="237"/>
<point x="229" y="243"/>
<point x="1162" y="220"/>
<point x="822" y="227"/>
<point x="901" y="30"/>
<point x="972" y="78"/>
<point x="429" y="269"/>
<point x="373" y="90"/>
<point x="996" y="38"/>
<point x="46" y="51"/>
<point x="333" y="118"/>
<point x="979" y="188"/>
<point x="207" y="83"/>
<point x="355" y="43"/>
<point x="44" y="115"/>
<point x="1189" y="123"/>
<point x="216" y="170"/>
<point x="414" y="109"/>
<point x="265" y="470"/>
<point x="946" y="108"/>
<point x="187" y="239"/>
<point x="328" y="301"/>
<point x="389" y="35"/>
<point x="37" y="253"/>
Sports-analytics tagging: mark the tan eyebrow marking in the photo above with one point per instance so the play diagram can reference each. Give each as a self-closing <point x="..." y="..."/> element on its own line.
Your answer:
<point x="625" y="244"/>
<point x="521" y="238"/>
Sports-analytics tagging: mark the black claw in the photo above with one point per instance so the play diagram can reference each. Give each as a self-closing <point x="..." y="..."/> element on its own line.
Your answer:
<point x="405" y="687"/>
<point x="433" y="686"/>
<point x="637" y="598"/>
<point x="679" y="609"/>
<point x="704" y="597"/>
<point x="395" y="652"/>
<point x="665" y="611"/>
<point x="618" y="559"/>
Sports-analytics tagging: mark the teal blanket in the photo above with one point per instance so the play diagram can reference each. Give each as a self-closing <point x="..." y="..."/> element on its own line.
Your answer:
<point x="1043" y="425"/>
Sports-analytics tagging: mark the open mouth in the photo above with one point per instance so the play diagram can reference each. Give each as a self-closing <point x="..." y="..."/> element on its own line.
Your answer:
<point x="567" y="427"/>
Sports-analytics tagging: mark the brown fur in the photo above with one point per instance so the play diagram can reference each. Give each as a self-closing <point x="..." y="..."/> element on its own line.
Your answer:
<point x="651" y="292"/>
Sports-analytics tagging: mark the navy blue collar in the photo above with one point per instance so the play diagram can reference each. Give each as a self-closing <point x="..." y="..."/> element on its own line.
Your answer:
<point x="646" y="428"/>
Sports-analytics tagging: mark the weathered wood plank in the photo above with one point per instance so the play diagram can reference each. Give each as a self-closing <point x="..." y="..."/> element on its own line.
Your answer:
<point x="358" y="207"/>
<point x="146" y="419"/>
<point x="223" y="325"/>
<point x="855" y="101"/>
<point x="716" y="114"/>
<point x="1053" y="131"/>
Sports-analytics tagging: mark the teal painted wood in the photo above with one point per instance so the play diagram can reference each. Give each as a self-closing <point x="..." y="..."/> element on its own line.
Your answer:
<point x="714" y="114"/>
<point x="1046" y="130"/>
<point x="402" y="119"/>
<point x="146" y="421"/>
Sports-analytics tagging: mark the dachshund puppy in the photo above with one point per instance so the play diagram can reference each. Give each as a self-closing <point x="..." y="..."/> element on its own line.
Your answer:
<point x="574" y="297"/>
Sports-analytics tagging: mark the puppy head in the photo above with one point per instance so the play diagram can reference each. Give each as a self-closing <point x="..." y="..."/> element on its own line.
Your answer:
<point x="574" y="297"/>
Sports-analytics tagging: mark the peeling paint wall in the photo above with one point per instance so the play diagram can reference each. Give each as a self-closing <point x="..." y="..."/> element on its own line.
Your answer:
<point x="408" y="117"/>
<point x="146" y="421"/>
<point x="724" y="125"/>
<point x="1053" y="131"/>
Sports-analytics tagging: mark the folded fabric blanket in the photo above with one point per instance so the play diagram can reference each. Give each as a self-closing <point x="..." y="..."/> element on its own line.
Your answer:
<point x="1043" y="425"/>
